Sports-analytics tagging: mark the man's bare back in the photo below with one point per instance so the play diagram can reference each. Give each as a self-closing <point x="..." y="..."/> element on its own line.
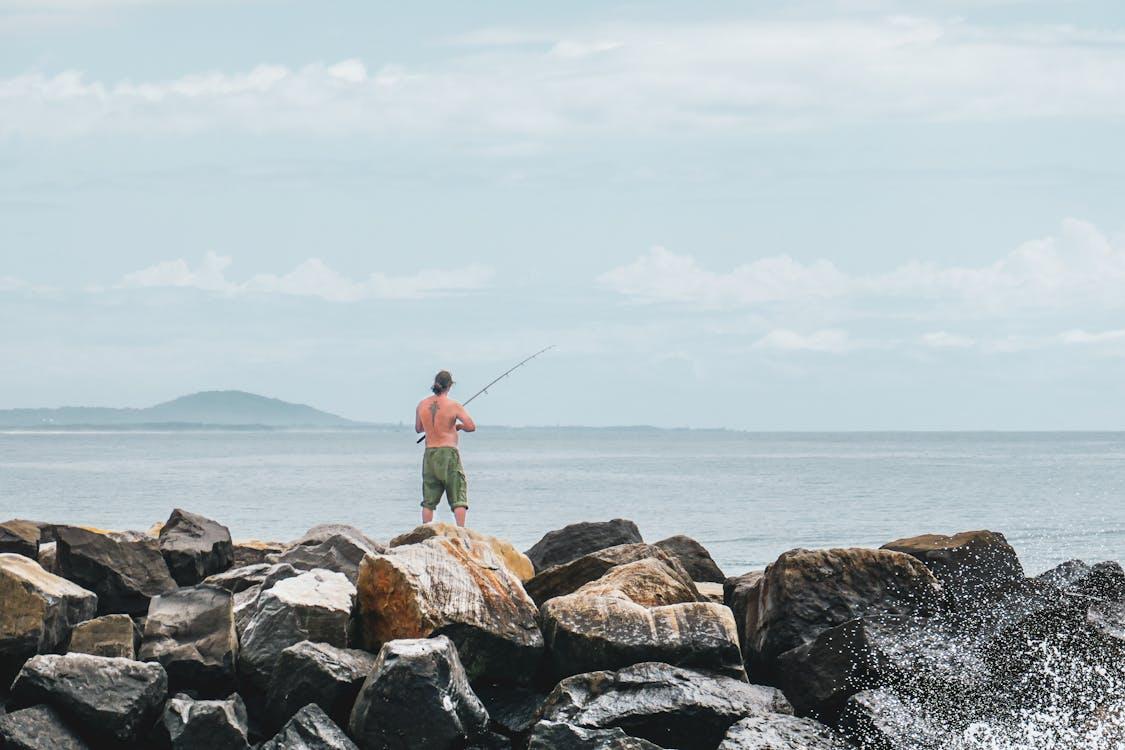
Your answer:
<point x="440" y="417"/>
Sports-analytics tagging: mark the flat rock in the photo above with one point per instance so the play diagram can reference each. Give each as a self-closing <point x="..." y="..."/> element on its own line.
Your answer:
<point x="310" y="729"/>
<point x="456" y="587"/>
<point x="805" y="592"/>
<point x="578" y="539"/>
<point x="39" y="609"/>
<point x="212" y="724"/>
<point x="968" y="565"/>
<point x="108" y="635"/>
<point x="191" y="633"/>
<point x="254" y="552"/>
<point x="19" y="538"/>
<point x="668" y="706"/>
<point x="194" y="547"/>
<point x="571" y="576"/>
<point x="554" y="735"/>
<point x="316" y="673"/>
<point x="417" y="697"/>
<point x="781" y="732"/>
<point x="38" y="728"/>
<point x="694" y="558"/>
<point x="125" y="569"/>
<point x="105" y="697"/>
<point x="245" y="577"/>
<point x="516" y="562"/>
<point x="649" y="582"/>
<point x="312" y="606"/>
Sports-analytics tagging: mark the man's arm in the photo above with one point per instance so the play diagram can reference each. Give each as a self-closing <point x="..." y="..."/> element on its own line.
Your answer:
<point x="466" y="424"/>
<point x="418" y="420"/>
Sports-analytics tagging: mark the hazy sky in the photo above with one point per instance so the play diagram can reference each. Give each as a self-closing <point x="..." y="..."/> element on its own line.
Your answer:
<point x="848" y="214"/>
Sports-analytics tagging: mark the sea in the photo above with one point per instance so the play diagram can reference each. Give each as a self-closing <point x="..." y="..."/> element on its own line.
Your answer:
<point x="747" y="497"/>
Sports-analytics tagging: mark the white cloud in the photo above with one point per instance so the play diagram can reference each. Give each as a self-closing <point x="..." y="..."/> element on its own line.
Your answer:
<point x="827" y="341"/>
<point x="944" y="340"/>
<point x="1077" y="268"/>
<point x="618" y="80"/>
<point x="312" y="278"/>
<point x="1079" y="336"/>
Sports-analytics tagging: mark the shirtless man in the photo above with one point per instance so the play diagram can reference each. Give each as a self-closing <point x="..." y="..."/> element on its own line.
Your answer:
<point x="441" y="418"/>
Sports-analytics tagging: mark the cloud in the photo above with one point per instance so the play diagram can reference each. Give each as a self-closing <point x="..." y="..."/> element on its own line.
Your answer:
<point x="828" y="341"/>
<point x="1079" y="336"/>
<point x="312" y="278"/>
<point x="617" y="80"/>
<point x="943" y="340"/>
<point x="1080" y="267"/>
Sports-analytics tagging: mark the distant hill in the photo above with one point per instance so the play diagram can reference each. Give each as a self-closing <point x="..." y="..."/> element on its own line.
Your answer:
<point x="210" y="408"/>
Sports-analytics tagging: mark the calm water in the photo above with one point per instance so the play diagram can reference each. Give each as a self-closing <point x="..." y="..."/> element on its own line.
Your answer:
<point x="746" y="497"/>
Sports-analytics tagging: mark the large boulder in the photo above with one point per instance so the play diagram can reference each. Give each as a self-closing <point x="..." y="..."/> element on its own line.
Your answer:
<point x="246" y="600"/>
<point x="805" y="592"/>
<point x="313" y="606"/>
<point x="240" y="579"/>
<point x="330" y="547"/>
<point x="194" y="547"/>
<point x="517" y="562"/>
<point x="254" y="552"/>
<point x="39" y="609"/>
<point x="310" y="729"/>
<point x="570" y="576"/>
<point x="102" y="697"/>
<point x="320" y="674"/>
<point x="456" y="587"/>
<point x="968" y="565"/>
<point x="648" y="582"/>
<point x="212" y="724"/>
<point x="555" y="735"/>
<point x="694" y="558"/>
<point x="740" y="593"/>
<point x="108" y="635"/>
<point x="781" y="732"/>
<point x="38" y="728"/>
<point x="325" y="531"/>
<point x="125" y="569"/>
<point x="19" y="538"/>
<point x="572" y="542"/>
<point x="191" y="633"/>
<point x="417" y="697"/>
<point x="666" y="705"/>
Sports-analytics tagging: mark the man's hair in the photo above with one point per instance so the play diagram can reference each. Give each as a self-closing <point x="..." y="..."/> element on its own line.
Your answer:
<point x="443" y="381"/>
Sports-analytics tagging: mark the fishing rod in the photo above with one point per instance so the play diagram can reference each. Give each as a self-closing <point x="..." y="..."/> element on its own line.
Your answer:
<point x="505" y="374"/>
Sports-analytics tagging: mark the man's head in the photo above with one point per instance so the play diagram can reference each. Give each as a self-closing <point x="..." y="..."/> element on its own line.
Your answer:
<point x="443" y="381"/>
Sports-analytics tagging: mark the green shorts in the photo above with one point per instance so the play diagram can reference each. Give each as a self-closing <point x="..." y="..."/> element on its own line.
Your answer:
<point x="442" y="472"/>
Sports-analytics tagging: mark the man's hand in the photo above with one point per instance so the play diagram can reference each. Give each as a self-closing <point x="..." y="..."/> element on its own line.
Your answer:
<point x="458" y="426"/>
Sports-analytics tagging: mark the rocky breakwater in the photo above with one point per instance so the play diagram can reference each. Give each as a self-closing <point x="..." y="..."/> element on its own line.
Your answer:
<point x="445" y="638"/>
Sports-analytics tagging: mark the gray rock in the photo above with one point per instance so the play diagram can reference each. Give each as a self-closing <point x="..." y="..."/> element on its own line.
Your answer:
<point x="212" y="724"/>
<point x="39" y="609"/>
<point x="694" y="558"/>
<point x="191" y="633"/>
<point x="38" y="728"/>
<point x="578" y="539"/>
<point x="513" y="710"/>
<point x="310" y="729"/>
<point x="19" y="538"/>
<point x="668" y="706"/>
<point x="780" y="732"/>
<point x="124" y="569"/>
<point x="337" y="548"/>
<point x="109" y="635"/>
<point x="254" y="552"/>
<point x="316" y="673"/>
<point x="194" y="547"/>
<point x="313" y="606"/>
<point x="1066" y="574"/>
<point x="553" y="735"/>
<point x="880" y="720"/>
<point x="969" y="565"/>
<point x="110" y="698"/>
<point x="417" y="697"/>
<point x="246" y="600"/>
<point x="236" y="580"/>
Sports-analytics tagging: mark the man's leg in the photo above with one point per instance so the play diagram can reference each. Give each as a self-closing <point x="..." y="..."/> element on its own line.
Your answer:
<point x="459" y="514"/>
<point x="427" y="515"/>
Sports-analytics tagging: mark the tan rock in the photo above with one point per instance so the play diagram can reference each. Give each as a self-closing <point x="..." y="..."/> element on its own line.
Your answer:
<point x="516" y="561"/>
<point x="253" y="552"/>
<point x="110" y="635"/>
<point x="569" y="577"/>
<point x="710" y="591"/>
<point x="647" y="582"/>
<point x="39" y="608"/>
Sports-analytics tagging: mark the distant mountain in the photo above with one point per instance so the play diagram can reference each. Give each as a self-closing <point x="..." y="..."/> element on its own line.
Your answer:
<point x="210" y="408"/>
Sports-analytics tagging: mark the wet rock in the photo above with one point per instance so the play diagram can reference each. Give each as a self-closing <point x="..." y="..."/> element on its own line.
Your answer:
<point x="313" y="606"/>
<point x="310" y="729"/>
<point x="320" y="674"/>
<point x="781" y="732"/>
<point x="194" y="547"/>
<point x="880" y="720"/>
<point x="417" y="697"/>
<point x="38" y="728"/>
<point x="969" y="565"/>
<point x="125" y="569"/>
<point x="1106" y="580"/>
<point x="108" y="698"/>
<point x="38" y="609"/>
<point x="336" y="548"/>
<point x="569" y="577"/>
<point x="19" y="538"/>
<point x="246" y="600"/>
<point x="512" y="710"/>
<point x="212" y="724"/>
<point x="694" y="558"/>
<point x="254" y="552"/>
<point x="516" y="561"/>
<point x="1066" y="574"/>
<point x="190" y="632"/>
<point x="585" y="633"/>
<point x="805" y="592"/>
<point x="578" y="539"/>
<point x="554" y="735"/>
<point x="459" y="588"/>
<point x="109" y="635"/>
<point x="666" y="705"/>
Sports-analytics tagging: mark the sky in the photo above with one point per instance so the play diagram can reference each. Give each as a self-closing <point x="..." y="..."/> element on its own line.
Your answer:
<point x="812" y="215"/>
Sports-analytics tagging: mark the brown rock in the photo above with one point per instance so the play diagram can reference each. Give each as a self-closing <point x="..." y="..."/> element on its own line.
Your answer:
<point x="111" y="635"/>
<point x="648" y="582"/>
<point x="517" y="562"/>
<point x="709" y="591"/>
<point x="254" y="552"/>
<point x="569" y="577"/>
<point x="969" y="564"/>
<point x="20" y="537"/>
<point x="125" y="569"/>
<point x="38" y="609"/>
<point x="694" y="557"/>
